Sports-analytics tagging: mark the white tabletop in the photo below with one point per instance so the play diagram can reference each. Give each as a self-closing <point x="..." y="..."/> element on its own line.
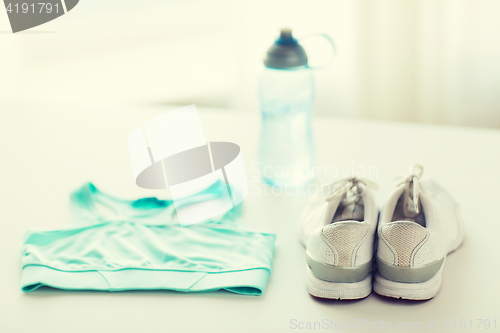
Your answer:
<point x="48" y="151"/>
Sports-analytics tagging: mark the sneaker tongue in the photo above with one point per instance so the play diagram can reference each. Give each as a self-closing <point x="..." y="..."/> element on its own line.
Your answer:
<point x="412" y="208"/>
<point x="409" y="208"/>
<point x="353" y="211"/>
<point x="350" y="212"/>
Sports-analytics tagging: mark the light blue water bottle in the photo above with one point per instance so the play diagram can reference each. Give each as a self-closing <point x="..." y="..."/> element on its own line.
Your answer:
<point x="286" y="93"/>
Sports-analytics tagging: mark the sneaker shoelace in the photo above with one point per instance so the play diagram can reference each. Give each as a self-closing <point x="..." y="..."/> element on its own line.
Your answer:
<point x="352" y="187"/>
<point x="411" y="195"/>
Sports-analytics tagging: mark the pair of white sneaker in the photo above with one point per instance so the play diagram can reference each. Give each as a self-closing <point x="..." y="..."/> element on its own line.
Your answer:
<point x="419" y="225"/>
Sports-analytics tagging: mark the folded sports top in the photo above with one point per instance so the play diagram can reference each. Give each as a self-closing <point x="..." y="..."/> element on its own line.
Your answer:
<point x="133" y="255"/>
<point x="91" y="206"/>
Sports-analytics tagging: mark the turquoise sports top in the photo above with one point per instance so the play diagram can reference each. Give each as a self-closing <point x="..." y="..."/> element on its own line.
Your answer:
<point x="139" y="249"/>
<point x="91" y="206"/>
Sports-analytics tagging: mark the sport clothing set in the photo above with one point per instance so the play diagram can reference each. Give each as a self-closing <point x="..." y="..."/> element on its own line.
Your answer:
<point x="115" y="245"/>
<point x="419" y="225"/>
<point x="118" y="245"/>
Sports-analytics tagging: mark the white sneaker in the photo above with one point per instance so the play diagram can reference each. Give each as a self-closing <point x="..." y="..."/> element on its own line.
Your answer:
<point x="338" y="231"/>
<point x="418" y="227"/>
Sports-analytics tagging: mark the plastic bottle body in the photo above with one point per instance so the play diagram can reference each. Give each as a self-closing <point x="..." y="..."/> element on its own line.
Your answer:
<point x="286" y="151"/>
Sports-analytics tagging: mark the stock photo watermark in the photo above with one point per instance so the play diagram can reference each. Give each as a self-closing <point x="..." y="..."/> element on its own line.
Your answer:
<point x="365" y="324"/>
<point x="26" y="14"/>
<point x="205" y="179"/>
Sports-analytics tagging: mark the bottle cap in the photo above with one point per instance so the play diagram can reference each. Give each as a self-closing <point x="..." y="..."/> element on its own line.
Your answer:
<point x="286" y="52"/>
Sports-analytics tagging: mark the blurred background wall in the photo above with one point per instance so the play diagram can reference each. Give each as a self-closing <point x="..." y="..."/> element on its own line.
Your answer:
<point x="433" y="61"/>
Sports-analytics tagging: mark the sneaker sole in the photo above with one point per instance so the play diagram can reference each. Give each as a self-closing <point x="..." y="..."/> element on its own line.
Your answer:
<point x="338" y="290"/>
<point x="414" y="291"/>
